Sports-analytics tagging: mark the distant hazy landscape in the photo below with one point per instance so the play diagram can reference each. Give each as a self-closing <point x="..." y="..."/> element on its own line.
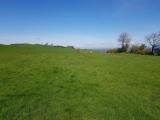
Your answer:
<point x="42" y="82"/>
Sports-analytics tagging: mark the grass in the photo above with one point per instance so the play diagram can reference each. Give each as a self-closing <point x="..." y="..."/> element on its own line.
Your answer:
<point x="45" y="82"/>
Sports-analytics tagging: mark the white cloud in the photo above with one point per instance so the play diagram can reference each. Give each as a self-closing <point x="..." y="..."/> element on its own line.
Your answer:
<point x="89" y="43"/>
<point x="37" y="38"/>
<point x="104" y="43"/>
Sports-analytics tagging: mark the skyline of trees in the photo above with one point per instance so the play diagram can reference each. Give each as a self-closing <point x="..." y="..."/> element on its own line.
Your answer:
<point x="124" y="39"/>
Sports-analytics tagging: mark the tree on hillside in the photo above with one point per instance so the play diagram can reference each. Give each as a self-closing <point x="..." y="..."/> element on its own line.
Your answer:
<point x="124" y="39"/>
<point x="153" y="40"/>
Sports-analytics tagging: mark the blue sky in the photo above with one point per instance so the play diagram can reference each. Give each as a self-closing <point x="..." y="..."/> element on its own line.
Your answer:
<point x="81" y="23"/>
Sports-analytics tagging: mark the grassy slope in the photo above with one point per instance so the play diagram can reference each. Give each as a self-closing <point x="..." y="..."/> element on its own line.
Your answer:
<point x="41" y="82"/>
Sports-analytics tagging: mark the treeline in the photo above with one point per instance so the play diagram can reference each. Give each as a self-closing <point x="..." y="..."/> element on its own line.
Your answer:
<point x="141" y="49"/>
<point x="125" y="40"/>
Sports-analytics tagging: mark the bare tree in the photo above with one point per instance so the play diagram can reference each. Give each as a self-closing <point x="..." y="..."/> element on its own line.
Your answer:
<point x="124" y="39"/>
<point x="153" y="40"/>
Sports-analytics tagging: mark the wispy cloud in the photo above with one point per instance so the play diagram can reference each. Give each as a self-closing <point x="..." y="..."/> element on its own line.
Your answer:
<point x="104" y="43"/>
<point x="125" y="5"/>
<point x="101" y="43"/>
<point x="37" y="38"/>
<point x="89" y="43"/>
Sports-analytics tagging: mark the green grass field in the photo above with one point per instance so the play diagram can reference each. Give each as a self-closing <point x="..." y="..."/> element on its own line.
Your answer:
<point x="51" y="83"/>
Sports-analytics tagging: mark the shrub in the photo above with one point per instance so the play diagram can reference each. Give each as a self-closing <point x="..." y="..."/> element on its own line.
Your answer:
<point x="120" y="50"/>
<point x="112" y="51"/>
<point x="142" y="52"/>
